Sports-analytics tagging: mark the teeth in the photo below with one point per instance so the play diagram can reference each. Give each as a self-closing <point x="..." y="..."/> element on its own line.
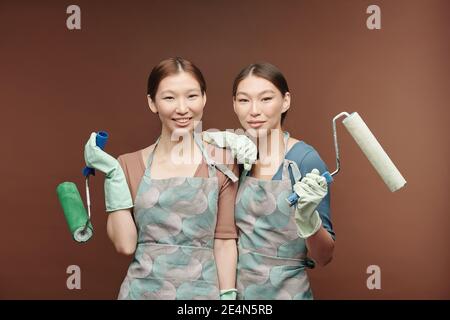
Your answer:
<point x="182" y="120"/>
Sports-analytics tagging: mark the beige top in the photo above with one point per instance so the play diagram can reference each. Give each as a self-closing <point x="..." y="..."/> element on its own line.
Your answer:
<point x="134" y="168"/>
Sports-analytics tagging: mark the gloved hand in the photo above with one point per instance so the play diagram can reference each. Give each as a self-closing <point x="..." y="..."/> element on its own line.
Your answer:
<point x="117" y="194"/>
<point x="228" y="294"/>
<point x="241" y="147"/>
<point x="311" y="190"/>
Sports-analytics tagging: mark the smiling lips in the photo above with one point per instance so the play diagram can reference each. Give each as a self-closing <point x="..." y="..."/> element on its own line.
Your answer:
<point x="255" y="123"/>
<point x="182" y="122"/>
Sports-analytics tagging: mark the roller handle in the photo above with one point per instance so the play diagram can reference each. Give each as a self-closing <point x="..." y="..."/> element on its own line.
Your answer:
<point x="100" y="141"/>
<point x="293" y="198"/>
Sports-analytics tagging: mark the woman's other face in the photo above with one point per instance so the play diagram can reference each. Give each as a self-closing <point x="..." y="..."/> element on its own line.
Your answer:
<point x="178" y="102"/>
<point x="259" y="104"/>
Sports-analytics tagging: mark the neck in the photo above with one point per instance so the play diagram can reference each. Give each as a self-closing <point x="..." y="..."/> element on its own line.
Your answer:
<point x="169" y="141"/>
<point x="271" y="145"/>
<point x="178" y="148"/>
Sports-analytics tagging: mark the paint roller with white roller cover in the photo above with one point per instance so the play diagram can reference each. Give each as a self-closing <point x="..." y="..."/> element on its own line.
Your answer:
<point x="370" y="147"/>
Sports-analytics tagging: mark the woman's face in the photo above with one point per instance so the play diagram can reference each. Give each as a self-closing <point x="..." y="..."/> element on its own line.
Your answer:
<point x="259" y="104"/>
<point x="178" y="102"/>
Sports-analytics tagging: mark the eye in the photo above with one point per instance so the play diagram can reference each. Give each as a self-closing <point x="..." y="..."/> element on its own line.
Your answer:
<point x="242" y="100"/>
<point x="265" y="99"/>
<point x="192" y="96"/>
<point x="168" y="98"/>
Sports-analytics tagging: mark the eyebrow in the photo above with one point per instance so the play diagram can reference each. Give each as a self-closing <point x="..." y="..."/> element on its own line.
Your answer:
<point x="166" y="92"/>
<point x="267" y="91"/>
<point x="262" y="93"/>
<point x="194" y="90"/>
<point x="187" y="91"/>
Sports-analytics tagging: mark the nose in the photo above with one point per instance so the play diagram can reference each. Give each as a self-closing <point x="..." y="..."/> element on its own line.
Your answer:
<point x="254" y="111"/>
<point x="182" y="107"/>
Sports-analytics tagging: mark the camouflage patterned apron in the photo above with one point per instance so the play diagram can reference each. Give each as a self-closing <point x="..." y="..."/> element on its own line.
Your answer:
<point x="176" y="220"/>
<point x="272" y="257"/>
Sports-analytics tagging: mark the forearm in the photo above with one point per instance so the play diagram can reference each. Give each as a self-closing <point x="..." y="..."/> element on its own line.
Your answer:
<point x="321" y="246"/>
<point x="225" y="253"/>
<point x="122" y="231"/>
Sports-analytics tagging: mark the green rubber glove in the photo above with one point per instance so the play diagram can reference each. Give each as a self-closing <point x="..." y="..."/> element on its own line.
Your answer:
<point x="241" y="147"/>
<point x="228" y="294"/>
<point x="117" y="194"/>
<point x="311" y="190"/>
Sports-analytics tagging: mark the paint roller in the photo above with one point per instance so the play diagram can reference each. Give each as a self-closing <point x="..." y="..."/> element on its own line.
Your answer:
<point x="77" y="218"/>
<point x="370" y="147"/>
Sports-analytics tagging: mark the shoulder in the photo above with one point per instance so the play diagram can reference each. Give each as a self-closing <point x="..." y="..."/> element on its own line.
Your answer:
<point x="129" y="157"/>
<point x="298" y="149"/>
<point x="292" y="142"/>
<point x="305" y="155"/>
<point x="135" y="158"/>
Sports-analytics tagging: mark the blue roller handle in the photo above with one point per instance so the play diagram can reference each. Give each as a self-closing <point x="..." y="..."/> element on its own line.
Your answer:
<point x="293" y="198"/>
<point x="100" y="141"/>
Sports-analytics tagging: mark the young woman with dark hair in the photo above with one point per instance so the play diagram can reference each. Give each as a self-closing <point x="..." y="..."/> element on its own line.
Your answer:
<point x="180" y="225"/>
<point x="277" y="241"/>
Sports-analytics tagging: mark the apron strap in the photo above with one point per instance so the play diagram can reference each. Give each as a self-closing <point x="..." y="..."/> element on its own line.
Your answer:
<point x="212" y="165"/>
<point x="226" y="171"/>
<point x="286" y="140"/>
<point x="150" y="159"/>
<point x="209" y="162"/>
<point x="289" y="163"/>
<point x="294" y="169"/>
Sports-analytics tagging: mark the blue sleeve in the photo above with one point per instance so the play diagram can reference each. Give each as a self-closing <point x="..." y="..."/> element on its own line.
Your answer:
<point x="307" y="158"/>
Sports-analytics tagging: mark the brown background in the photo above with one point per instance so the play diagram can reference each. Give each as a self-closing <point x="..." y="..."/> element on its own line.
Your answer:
<point x="59" y="85"/>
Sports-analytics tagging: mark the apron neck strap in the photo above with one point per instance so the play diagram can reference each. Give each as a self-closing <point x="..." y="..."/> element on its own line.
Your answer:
<point x="286" y="140"/>
<point x="289" y="163"/>
<point x="150" y="158"/>
<point x="209" y="161"/>
<point x="294" y="169"/>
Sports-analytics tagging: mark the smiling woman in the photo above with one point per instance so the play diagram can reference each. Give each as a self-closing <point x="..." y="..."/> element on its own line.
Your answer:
<point x="276" y="242"/>
<point x="181" y="229"/>
<point x="261" y="82"/>
<point x="177" y="92"/>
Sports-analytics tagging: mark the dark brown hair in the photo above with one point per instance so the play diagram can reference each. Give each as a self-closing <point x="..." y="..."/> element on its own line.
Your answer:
<point x="170" y="67"/>
<point x="266" y="71"/>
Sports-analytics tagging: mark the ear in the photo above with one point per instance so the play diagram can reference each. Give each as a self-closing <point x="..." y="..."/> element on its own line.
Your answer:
<point x="151" y="104"/>
<point x="286" y="102"/>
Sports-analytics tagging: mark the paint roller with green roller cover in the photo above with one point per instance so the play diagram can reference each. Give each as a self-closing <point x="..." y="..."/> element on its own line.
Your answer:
<point x="74" y="211"/>
<point x="78" y="220"/>
<point x="370" y="147"/>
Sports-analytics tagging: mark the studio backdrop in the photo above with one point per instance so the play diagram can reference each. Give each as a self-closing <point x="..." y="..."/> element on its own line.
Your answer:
<point x="71" y="68"/>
